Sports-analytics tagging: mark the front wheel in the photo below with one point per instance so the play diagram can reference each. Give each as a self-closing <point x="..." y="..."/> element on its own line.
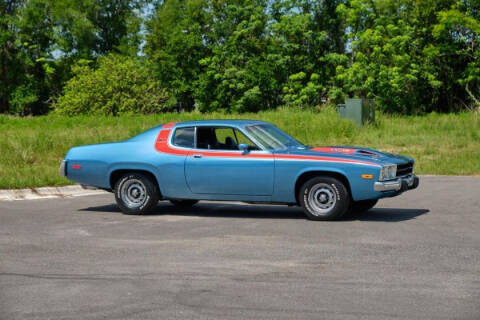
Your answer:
<point x="136" y="193"/>
<point x="324" y="198"/>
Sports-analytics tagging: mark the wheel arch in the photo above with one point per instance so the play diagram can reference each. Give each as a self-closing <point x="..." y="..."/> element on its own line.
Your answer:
<point x="117" y="173"/>
<point x="305" y="176"/>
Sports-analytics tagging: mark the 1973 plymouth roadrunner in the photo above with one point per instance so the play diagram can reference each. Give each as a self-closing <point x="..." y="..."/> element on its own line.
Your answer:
<point x="239" y="160"/>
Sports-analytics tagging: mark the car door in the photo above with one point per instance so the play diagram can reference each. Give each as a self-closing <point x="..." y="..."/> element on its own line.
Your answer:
<point x="173" y="146"/>
<point x="217" y="166"/>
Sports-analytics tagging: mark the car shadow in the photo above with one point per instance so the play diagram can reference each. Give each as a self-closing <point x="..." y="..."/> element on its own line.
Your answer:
<point x="246" y="211"/>
<point x="217" y="210"/>
<point x="385" y="214"/>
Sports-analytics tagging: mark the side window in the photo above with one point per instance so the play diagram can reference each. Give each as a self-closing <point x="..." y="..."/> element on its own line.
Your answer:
<point x="226" y="138"/>
<point x="206" y="138"/>
<point x="241" y="138"/>
<point x="184" y="137"/>
<point x="216" y="138"/>
<point x="221" y="138"/>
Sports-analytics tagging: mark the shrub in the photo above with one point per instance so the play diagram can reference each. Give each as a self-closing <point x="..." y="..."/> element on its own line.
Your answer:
<point x="118" y="85"/>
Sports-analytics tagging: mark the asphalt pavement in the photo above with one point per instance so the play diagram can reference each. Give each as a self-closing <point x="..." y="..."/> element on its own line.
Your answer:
<point x="416" y="256"/>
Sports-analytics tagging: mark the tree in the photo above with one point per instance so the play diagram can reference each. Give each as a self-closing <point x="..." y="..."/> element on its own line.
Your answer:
<point x="310" y="36"/>
<point x="242" y="72"/>
<point x="25" y="38"/>
<point x="457" y="53"/>
<point x="411" y="55"/>
<point x="386" y="55"/>
<point x="41" y="39"/>
<point x="175" y="44"/>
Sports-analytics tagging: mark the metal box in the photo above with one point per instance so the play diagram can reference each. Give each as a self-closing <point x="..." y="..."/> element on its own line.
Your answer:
<point x="360" y="110"/>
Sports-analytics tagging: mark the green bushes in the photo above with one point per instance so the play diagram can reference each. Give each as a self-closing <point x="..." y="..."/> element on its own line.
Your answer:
<point x="118" y="85"/>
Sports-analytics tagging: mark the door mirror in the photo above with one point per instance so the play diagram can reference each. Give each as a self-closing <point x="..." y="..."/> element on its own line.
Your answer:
<point x="243" y="147"/>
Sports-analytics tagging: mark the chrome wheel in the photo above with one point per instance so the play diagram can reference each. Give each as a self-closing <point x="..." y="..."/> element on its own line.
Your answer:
<point x="133" y="193"/>
<point x="322" y="199"/>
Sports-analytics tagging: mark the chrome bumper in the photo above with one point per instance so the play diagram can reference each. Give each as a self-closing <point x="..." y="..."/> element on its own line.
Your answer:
<point x="400" y="184"/>
<point x="62" y="170"/>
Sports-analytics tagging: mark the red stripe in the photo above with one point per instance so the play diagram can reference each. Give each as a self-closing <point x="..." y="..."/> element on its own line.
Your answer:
<point x="169" y="125"/>
<point x="162" y="145"/>
<point x="333" y="149"/>
<point x="299" y="157"/>
<point x="76" y="166"/>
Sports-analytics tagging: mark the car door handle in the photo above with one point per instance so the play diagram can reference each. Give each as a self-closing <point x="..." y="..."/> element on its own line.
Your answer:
<point x="198" y="156"/>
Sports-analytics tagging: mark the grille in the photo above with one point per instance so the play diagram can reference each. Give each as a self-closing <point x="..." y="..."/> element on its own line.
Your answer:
<point x="404" y="169"/>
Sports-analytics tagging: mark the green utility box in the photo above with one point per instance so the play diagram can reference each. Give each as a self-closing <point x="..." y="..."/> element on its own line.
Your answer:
<point x="360" y="110"/>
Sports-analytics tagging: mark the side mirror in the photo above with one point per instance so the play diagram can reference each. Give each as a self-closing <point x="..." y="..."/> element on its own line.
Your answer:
<point x="243" y="147"/>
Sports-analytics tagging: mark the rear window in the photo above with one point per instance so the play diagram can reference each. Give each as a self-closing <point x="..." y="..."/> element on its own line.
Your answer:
<point x="184" y="137"/>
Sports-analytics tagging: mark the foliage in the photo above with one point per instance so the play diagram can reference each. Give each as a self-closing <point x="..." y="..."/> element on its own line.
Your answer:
<point x="411" y="56"/>
<point x="118" y="85"/>
<point x="175" y="46"/>
<point x="239" y="74"/>
<point x="458" y="51"/>
<point x="41" y="39"/>
<point x="310" y="36"/>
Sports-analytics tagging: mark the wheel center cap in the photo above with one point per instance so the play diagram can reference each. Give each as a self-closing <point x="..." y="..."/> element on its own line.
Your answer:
<point x="323" y="198"/>
<point x="135" y="193"/>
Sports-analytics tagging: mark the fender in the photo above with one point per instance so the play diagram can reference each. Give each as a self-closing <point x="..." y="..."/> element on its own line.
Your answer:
<point x="325" y="169"/>
<point x="131" y="166"/>
<point x="357" y="186"/>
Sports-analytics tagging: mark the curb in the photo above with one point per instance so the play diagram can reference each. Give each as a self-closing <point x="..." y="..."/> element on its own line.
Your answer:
<point x="48" y="192"/>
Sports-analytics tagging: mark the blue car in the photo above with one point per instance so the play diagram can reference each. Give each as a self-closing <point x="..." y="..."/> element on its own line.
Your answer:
<point x="238" y="160"/>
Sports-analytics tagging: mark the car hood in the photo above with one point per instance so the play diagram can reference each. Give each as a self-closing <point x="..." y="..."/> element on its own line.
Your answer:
<point x="348" y="152"/>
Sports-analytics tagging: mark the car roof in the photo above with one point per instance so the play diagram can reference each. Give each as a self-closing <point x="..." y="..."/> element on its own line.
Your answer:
<point x="226" y="122"/>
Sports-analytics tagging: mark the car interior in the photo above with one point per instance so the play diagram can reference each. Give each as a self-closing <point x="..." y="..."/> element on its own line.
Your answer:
<point x="220" y="138"/>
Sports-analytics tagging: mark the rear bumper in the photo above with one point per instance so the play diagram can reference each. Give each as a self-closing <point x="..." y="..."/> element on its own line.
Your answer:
<point x="401" y="184"/>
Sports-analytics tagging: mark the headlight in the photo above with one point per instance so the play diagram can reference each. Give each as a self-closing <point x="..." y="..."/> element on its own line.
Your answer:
<point x="388" y="172"/>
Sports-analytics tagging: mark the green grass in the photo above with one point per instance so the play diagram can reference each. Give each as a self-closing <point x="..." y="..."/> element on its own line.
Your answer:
<point x="31" y="148"/>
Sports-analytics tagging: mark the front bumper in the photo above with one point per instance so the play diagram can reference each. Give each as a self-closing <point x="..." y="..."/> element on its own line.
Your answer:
<point x="401" y="184"/>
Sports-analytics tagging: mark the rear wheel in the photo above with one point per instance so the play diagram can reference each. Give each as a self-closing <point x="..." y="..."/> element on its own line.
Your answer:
<point x="362" y="206"/>
<point x="136" y="193"/>
<point x="324" y="198"/>
<point x="184" y="203"/>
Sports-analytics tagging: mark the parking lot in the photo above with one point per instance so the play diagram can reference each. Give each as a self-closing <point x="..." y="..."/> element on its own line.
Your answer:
<point x="416" y="256"/>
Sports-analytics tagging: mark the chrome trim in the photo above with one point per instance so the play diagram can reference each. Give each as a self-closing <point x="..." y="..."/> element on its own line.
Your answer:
<point x="262" y="150"/>
<point x="393" y="185"/>
<point x="61" y="169"/>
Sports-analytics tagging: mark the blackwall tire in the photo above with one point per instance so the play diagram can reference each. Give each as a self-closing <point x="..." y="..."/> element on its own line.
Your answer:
<point x="136" y="194"/>
<point x="324" y="198"/>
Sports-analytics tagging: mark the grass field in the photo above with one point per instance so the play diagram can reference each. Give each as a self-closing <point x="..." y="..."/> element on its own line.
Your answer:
<point x="31" y="148"/>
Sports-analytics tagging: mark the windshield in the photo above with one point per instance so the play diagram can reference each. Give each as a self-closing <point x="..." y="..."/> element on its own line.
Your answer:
<point x="271" y="137"/>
